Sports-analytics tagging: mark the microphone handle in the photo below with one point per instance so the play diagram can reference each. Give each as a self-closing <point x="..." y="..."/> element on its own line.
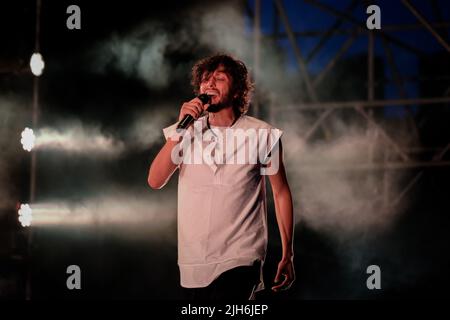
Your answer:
<point x="185" y="122"/>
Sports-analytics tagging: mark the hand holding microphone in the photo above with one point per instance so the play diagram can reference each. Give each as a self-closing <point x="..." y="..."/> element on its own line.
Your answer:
<point x="193" y="110"/>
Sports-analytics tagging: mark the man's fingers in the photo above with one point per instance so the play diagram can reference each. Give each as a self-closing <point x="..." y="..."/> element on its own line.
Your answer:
<point x="192" y="110"/>
<point x="281" y="285"/>
<point x="277" y="277"/>
<point x="197" y="107"/>
<point x="287" y="276"/>
<point x="198" y="104"/>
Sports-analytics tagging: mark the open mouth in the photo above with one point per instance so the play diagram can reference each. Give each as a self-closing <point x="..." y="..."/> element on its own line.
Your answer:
<point x="212" y="93"/>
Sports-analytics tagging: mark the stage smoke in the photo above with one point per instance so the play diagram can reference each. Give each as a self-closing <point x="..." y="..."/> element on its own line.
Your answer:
<point x="335" y="187"/>
<point x="78" y="139"/>
<point x="150" y="215"/>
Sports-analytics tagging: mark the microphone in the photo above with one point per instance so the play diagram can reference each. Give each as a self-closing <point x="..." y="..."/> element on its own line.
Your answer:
<point x="186" y="121"/>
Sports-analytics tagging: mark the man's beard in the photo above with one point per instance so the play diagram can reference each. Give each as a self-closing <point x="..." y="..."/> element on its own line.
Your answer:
<point x="213" y="108"/>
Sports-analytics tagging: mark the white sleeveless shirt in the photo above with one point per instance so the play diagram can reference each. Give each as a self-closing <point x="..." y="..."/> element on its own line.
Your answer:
<point x="222" y="211"/>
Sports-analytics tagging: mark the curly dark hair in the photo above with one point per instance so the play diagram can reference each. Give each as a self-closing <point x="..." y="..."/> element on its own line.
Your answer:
<point x="241" y="85"/>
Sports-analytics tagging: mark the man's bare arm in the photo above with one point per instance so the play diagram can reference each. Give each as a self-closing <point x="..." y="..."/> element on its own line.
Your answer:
<point x="162" y="166"/>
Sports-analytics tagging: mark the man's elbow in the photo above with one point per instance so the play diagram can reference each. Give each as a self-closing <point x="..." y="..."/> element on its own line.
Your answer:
<point x="154" y="183"/>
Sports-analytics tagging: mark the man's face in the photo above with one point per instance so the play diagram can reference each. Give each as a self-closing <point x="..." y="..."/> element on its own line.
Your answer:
<point x="218" y="85"/>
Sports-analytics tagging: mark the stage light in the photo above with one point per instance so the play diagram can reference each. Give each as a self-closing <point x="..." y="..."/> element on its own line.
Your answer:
<point x="27" y="139"/>
<point x="25" y="215"/>
<point x="37" y="64"/>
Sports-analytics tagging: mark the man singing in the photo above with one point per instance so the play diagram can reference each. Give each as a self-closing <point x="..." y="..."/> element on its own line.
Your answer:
<point x="222" y="223"/>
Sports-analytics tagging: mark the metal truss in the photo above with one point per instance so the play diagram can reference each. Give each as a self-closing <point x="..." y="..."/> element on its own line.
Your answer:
<point x="399" y="157"/>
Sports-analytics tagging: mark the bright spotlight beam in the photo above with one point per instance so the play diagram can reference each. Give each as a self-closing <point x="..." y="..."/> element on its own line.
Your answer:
<point x="28" y="139"/>
<point x="37" y="64"/>
<point x="25" y="215"/>
<point x="107" y="210"/>
<point x="78" y="139"/>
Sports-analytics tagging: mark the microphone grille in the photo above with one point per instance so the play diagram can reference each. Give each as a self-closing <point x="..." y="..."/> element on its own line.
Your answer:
<point x="204" y="98"/>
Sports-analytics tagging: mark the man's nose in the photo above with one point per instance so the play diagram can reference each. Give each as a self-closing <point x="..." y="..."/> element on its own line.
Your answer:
<point x="210" y="82"/>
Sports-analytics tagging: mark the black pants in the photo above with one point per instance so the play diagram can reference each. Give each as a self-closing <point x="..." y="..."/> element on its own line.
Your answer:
<point x="235" y="284"/>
